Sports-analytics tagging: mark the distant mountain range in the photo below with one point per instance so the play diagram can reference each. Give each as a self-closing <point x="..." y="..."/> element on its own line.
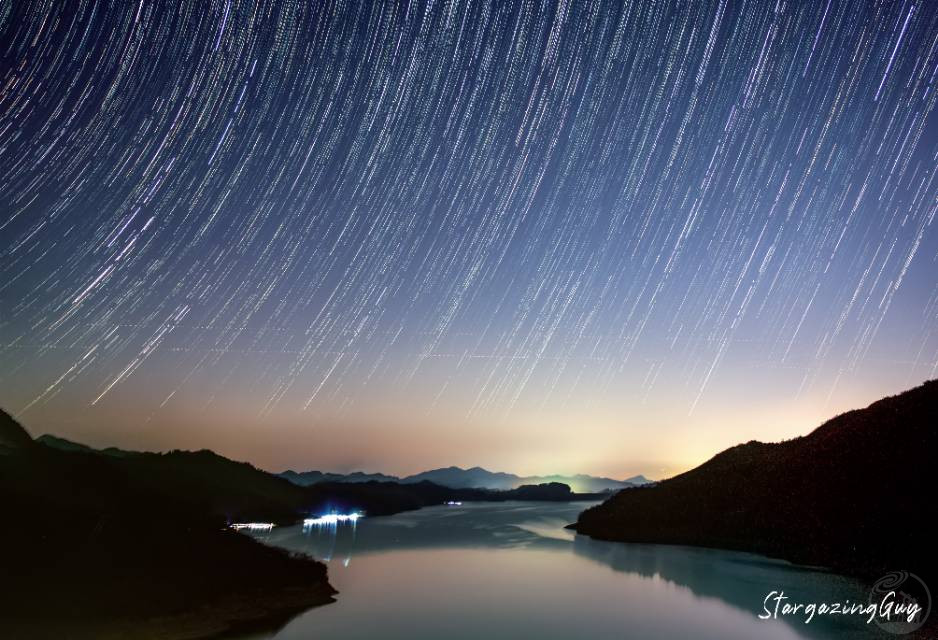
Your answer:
<point x="67" y="445"/>
<point x="306" y="478"/>
<point x="451" y="477"/>
<point x="474" y="478"/>
<point x="856" y="495"/>
<point x="238" y="491"/>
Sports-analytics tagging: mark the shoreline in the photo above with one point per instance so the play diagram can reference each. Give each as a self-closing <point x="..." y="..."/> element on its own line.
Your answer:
<point x="716" y="547"/>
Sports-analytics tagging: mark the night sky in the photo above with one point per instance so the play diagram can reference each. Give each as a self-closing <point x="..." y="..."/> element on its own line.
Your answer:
<point x="539" y="237"/>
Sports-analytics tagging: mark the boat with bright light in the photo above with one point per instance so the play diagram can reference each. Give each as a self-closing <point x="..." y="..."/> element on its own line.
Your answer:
<point x="333" y="519"/>
<point x="252" y="526"/>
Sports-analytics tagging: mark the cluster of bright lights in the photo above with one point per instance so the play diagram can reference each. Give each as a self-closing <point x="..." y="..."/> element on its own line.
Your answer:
<point x="253" y="526"/>
<point x="332" y="519"/>
<point x="454" y="503"/>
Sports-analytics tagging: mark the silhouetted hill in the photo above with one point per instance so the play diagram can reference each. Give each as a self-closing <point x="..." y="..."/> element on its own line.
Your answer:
<point x="107" y="546"/>
<point x="62" y="444"/>
<point x="200" y="481"/>
<point x="306" y="478"/>
<point x="458" y="478"/>
<point x="583" y="482"/>
<point x="234" y="491"/>
<point x="546" y="491"/>
<point x="13" y="437"/>
<point x="856" y="494"/>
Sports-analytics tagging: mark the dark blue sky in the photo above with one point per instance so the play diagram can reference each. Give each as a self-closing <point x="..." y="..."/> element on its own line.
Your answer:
<point x="547" y="236"/>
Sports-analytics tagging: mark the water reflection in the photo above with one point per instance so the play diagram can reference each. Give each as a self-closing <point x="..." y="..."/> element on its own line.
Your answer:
<point x="512" y="570"/>
<point x="739" y="579"/>
<point x="498" y="525"/>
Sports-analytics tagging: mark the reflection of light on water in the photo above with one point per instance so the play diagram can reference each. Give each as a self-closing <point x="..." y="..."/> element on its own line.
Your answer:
<point x="553" y="529"/>
<point x="253" y="526"/>
<point x="330" y="524"/>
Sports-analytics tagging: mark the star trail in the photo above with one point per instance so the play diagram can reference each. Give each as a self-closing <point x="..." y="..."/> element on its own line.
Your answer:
<point x="422" y="233"/>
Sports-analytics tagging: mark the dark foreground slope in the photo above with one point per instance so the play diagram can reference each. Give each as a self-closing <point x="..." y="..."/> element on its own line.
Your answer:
<point x="856" y="495"/>
<point x="112" y="543"/>
<point x="98" y="546"/>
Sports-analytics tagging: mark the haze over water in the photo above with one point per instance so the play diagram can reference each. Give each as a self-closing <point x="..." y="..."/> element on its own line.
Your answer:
<point x="510" y="570"/>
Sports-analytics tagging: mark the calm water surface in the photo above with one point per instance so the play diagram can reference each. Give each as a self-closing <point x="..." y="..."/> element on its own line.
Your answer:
<point x="510" y="570"/>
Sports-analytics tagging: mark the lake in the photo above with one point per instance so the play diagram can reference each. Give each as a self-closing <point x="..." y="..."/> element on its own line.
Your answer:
<point x="511" y="570"/>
